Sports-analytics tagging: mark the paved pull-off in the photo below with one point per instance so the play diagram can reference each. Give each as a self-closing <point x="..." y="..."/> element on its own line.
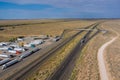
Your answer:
<point x="101" y="61"/>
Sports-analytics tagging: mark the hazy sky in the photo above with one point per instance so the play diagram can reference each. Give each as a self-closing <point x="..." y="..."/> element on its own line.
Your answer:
<point x="31" y="9"/>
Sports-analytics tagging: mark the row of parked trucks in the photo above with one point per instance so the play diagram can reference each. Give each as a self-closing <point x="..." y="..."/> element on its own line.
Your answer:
<point x="8" y="62"/>
<point x="8" y="49"/>
<point x="14" y="48"/>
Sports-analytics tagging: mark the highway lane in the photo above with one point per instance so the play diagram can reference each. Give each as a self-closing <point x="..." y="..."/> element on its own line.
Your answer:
<point x="17" y="75"/>
<point x="64" y="70"/>
<point x="66" y="74"/>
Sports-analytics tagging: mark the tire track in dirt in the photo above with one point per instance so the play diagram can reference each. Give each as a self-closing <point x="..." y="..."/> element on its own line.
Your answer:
<point x="101" y="60"/>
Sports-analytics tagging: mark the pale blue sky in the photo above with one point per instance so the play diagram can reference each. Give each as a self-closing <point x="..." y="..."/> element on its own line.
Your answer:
<point x="35" y="9"/>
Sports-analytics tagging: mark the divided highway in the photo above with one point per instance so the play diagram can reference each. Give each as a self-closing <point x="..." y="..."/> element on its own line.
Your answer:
<point x="64" y="70"/>
<point x="23" y="73"/>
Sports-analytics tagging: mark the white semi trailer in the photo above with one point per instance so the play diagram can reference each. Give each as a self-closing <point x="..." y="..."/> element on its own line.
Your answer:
<point x="24" y="55"/>
<point x="4" y="61"/>
<point x="10" y="63"/>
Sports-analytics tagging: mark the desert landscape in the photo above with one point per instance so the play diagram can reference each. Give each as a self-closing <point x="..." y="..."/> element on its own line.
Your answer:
<point x="86" y="65"/>
<point x="59" y="40"/>
<point x="50" y="27"/>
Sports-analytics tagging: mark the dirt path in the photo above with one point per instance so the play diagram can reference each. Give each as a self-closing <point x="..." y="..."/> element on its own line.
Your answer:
<point x="101" y="61"/>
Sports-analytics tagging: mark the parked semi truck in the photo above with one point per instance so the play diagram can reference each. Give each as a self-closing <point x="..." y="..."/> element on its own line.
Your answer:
<point x="12" y="62"/>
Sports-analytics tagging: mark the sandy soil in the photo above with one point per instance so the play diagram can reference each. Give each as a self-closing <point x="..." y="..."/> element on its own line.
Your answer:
<point x="112" y="53"/>
<point x="52" y="29"/>
<point x="101" y="60"/>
